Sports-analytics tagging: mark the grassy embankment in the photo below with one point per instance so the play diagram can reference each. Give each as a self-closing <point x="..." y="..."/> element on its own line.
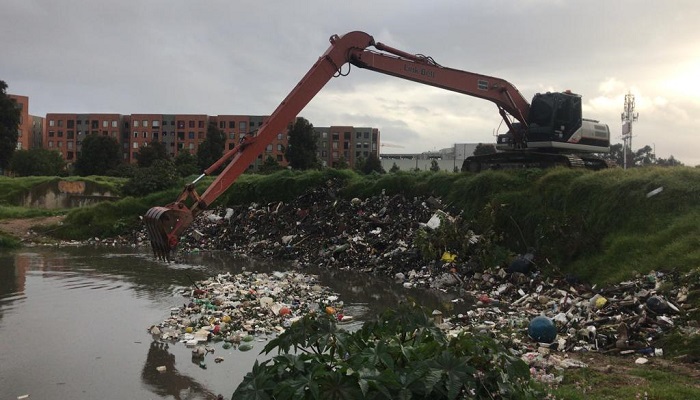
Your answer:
<point x="601" y="227"/>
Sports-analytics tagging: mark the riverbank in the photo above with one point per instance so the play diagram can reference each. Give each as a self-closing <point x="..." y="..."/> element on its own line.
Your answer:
<point x="388" y="232"/>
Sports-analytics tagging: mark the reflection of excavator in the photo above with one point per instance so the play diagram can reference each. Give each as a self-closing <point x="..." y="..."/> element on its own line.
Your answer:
<point x="549" y="132"/>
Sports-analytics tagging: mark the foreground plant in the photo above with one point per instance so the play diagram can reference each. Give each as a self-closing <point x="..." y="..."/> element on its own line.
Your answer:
<point x="401" y="355"/>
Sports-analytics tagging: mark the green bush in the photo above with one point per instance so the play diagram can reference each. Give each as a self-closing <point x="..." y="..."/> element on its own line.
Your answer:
<point x="401" y="355"/>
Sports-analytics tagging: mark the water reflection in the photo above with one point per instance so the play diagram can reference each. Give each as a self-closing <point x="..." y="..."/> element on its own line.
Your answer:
<point x="74" y="321"/>
<point x="169" y="382"/>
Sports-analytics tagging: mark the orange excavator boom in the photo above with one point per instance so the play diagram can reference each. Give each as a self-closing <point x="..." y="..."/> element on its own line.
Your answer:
<point x="165" y="224"/>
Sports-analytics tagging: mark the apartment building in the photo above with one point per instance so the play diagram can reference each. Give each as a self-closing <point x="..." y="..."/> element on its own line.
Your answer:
<point x="348" y="143"/>
<point x="65" y="132"/>
<point x="24" y="131"/>
<point x="236" y="127"/>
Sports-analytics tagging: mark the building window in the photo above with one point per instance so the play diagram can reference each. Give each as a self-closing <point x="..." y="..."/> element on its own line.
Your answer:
<point x="60" y="134"/>
<point x="52" y="122"/>
<point x="324" y="153"/>
<point x="191" y="124"/>
<point x="60" y="122"/>
<point x="222" y="124"/>
<point x="191" y="146"/>
<point x="268" y="149"/>
<point x="280" y="136"/>
<point x="71" y="124"/>
<point x="50" y="144"/>
<point x="200" y="135"/>
<point x="242" y="126"/>
<point x="136" y="124"/>
<point x="180" y="124"/>
<point x="201" y="124"/>
<point x="279" y="147"/>
<point x="335" y="145"/>
<point x="105" y="124"/>
<point x="145" y="135"/>
<point x="366" y="135"/>
<point x="114" y="124"/>
<point x="51" y="133"/>
<point x="135" y="145"/>
<point x="69" y="145"/>
<point x="190" y="135"/>
<point x="346" y="135"/>
<point x="231" y="124"/>
<point x="155" y="123"/>
<point x="145" y="123"/>
<point x="336" y="135"/>
<point x="136" y="134"/>
<point x="335" y="155"/>
<point x="70" y="134"/>
<point x="279" y="157"/>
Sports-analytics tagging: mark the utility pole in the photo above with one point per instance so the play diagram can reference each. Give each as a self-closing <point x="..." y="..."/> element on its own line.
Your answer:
<point x="628" y="116"/>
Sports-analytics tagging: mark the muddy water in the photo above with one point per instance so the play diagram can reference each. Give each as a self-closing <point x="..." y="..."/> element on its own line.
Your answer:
<point x="73" y="323"/>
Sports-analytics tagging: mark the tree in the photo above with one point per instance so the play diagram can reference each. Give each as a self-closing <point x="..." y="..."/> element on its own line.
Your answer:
<point x="99" y="154"/>
<point x="270" y="165"/>
<point x="483" y="149"/>
<point x="341" y="164"/>
<point x="212" y="148"/>
<point x="373" y="164"/>
<point x="148" y="154"/>
<point x="669" y="162"/>
<point x="186" y="164"/>
<point x="37" y="162"/>
<point x="434" y="166"/>
<point x="9" y="123"/>
<point x="394" y="168"/>
<point x="161" y="175"/>
<point x="301" y="152"/>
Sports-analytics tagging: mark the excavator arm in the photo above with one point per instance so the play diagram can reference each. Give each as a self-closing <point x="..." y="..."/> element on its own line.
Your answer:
<point x="165" y="224"/>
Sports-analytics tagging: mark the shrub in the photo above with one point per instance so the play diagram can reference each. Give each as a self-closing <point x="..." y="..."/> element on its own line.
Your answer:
<point x="401" y="354"/>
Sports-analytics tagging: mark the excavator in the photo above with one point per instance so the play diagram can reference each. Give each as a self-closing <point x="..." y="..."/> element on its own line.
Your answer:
<point x="550" y="131"/>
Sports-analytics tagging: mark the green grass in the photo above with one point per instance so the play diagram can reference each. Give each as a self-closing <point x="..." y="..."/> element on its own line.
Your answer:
<point x="8" y="242"/>
<point x="9" y="212"/>
<point x="657" y="382"/>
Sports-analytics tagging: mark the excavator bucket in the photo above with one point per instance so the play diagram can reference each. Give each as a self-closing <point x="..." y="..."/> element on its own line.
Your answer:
<point x="163" y="226"/>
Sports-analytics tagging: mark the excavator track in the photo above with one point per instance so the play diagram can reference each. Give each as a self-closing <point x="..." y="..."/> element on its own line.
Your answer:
<point x="522" y="160"/>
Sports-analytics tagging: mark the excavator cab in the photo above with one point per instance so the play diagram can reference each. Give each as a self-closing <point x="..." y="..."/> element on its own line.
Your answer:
<point x="554" y="117"/>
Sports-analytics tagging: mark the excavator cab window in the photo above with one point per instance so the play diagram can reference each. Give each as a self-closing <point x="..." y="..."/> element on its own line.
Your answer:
<point x="541" y="111"/>
<point x="567" y="117"/>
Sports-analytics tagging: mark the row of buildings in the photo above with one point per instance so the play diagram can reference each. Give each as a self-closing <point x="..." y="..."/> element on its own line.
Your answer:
<point x="64" y="132"/>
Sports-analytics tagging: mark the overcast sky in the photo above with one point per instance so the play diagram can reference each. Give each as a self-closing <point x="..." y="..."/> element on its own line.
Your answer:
<point x="243" y="57"/>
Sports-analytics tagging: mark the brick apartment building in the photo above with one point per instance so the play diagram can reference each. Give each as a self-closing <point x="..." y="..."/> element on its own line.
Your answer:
<point x="346" y="143"/>
<point x="185" y="132"/>
<point x="25" y="138"/>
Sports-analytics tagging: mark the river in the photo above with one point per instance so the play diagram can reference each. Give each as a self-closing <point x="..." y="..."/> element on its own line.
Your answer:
<point x="74" y="321"/>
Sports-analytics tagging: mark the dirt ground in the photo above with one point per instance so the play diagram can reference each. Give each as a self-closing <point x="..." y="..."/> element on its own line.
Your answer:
<point x="21" y="227"/>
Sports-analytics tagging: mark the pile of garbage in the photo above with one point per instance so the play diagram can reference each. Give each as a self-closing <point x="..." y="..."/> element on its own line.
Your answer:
<point x="378" y="235"/>
<point x="319" y="228"/>
<point x="237" y="309"/>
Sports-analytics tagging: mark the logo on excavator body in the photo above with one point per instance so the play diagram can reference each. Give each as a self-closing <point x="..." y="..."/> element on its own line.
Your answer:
<point x="482" y="84"/>
<point x="419" y="71"/>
